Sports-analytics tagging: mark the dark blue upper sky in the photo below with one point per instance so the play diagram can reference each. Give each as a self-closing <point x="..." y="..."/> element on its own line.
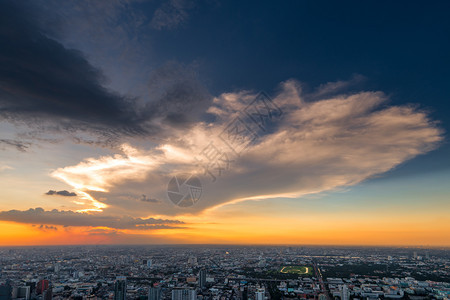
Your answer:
<point x="401" y="47"/>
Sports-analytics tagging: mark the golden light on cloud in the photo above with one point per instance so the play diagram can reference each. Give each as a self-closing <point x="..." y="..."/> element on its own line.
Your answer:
<point x="316" y="146"/>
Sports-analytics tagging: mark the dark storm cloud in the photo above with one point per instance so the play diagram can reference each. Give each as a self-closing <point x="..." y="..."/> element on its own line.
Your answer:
<point x="61" y="193"/>
<point x="40" y="78"/>
<point x="49" y="87"/>
<point x="70" y="218"/>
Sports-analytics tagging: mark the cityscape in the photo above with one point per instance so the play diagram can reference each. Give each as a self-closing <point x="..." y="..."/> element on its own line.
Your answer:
<point x="224" y="272"/>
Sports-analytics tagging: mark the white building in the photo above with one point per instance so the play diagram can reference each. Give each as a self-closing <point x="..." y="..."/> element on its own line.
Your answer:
<point x="184" y="294"/>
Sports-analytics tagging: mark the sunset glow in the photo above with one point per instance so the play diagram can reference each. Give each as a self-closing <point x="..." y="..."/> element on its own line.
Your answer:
<point x="197" y="123"/>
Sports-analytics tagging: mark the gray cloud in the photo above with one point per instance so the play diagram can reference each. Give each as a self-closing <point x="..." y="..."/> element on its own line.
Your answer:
<point x="46" y="227"/>
<point x="144" y="198"/>
<point x="70" y="218"/>
<point x="41" y="79"/>
<point x="177" y="97"/>
<point x="52" y="88"/>
<point x="61" y="193"/>
<point x="18" y="145"/>
<point x="171" y="14"/>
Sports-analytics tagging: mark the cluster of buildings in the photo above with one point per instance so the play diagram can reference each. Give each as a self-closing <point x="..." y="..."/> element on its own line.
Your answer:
<point x="223" y="272"/>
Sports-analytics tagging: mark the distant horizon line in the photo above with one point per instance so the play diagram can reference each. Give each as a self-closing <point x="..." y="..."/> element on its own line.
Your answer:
<point x="235" y="245"/>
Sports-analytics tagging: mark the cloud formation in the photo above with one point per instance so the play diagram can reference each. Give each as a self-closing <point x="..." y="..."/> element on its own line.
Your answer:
<point x="45" y="227"/>
<point x="61" y="193"/>
<point x="70" y="218"/>
<point x="52" y="88"/>
<point x="40" y="78"/>
<point x="316" y="146"/>
<point x="5" y="167"/>
<point x="18" y="145"/>
<point x="170" y="14"/>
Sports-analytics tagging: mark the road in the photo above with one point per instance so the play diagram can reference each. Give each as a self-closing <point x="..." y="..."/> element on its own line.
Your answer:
<point x="321" y="282"/>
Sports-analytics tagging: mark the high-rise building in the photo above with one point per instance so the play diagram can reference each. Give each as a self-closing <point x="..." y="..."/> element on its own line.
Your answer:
<point x="120" y="288"/>
<point x="42" y="285"/>
<point x="260" y="293"/>
<point x="345" y="293"/>
<point x="322" y="297"/>
<point x="22" y="292"/>
<point x="192" y="261"/>
<point x="5" y="291"/>
<point x="243" y="294"/>
<point x="184" y="294"/>
<point x="202" y="278"/>
<point x="57" y="268"/>
<point x="147" y="262"/>
<point x="48" y="294"/>
<point x="154" y="293"/>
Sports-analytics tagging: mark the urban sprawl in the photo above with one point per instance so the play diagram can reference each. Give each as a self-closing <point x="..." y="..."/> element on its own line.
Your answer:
<point x="224" y="272"/>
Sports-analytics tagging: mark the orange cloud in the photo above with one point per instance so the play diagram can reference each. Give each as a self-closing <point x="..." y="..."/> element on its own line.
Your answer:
<point x="316" y="146"/>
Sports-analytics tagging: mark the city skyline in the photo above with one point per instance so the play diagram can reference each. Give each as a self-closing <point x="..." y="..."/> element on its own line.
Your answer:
<point x="210" y="122"/>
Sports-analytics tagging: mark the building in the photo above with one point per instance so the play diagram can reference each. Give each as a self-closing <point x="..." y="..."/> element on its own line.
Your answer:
<point x="57" y="268"/>
<point x="42" y="285"/>
<point x="202" y="278"/>
<point x="192" y="261"/>
<point x="120" y="288"/>
<point x="48" y="294"/>
<point x="344" y="292"/>
<point x="184" y="294"/>
<point x="243" y="294"/>
<point x="260" y="293"/>
<point x="5" y="291"/>
<point x="154" y="293"/>
<point x="147" y="262"/>
<point x="22" y="292"/>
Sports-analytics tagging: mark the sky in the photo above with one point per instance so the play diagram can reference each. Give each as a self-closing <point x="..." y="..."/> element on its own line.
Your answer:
<point x="224" y="122"/>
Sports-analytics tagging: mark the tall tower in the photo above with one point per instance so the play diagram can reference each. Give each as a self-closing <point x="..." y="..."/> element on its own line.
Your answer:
<point x="154" y="293"/>
<point x="120" y="288"/>
<point x="48" y="293"/>
<point x="42" y="286"/>
<point x="345" y="294"/>
<point x="202" y="278"/>
<point x="5" y="291"/>
<point x="260" y="294"/>
<point x="184" y="294"/>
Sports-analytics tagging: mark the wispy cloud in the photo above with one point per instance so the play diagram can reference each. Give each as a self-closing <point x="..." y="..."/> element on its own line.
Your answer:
<point x="171" y="14"/>
<point x="5" y="167"/>
<point x="18" y="145"/>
